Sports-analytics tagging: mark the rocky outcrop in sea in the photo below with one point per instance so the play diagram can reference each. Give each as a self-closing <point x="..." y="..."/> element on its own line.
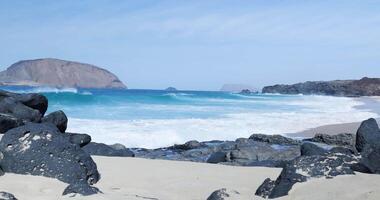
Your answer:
<point x="49" y="72"/>
<point x="363" y="87"/>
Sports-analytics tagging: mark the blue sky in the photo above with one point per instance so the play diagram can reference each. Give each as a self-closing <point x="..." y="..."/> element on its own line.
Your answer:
<point x="199" y="44"/>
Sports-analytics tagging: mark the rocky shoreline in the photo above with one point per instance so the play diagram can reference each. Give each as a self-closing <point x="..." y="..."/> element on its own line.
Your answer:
<point x="37" y="144"/>
<point x="352" y="88"/>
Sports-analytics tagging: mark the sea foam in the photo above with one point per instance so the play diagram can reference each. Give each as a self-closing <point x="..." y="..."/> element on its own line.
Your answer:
<point x="152" y="133"/>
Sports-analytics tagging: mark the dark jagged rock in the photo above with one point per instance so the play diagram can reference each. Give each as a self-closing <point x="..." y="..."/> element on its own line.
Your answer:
<point x="79" y="139"/>
<point x="370" y="160"/>
<point x="342" y="139"/>
<point x="40" y="149"/>
<point x="9" y="105"/>
<point x="363" y="87"/>
<point x="249" y="151"/>
<point x="310" y="149"/>
<point x="193" y="144"/>
<point x="274" y="139"/>
<point x="101" y="149"/>
<point x="7" y="196"/>
<point x="367" y="134"/>
<point x="58" y="118"/>
<point x="80" y="188"/>
<point x="36" y="101"/>
<point x="224" y="194"/>
<point x="305" y="167"/>
<point x="217" y="157"/>
<point x="265" y="188"/>
<point x="8" y="122"/>
<point x="243" y="152"/>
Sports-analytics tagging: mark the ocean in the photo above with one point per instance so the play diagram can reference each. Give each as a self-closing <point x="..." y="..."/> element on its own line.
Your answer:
<point x="157" y="118"/>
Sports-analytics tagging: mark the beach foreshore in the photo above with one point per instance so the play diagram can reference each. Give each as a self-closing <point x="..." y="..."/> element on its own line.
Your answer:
<point x="135" y="178"/>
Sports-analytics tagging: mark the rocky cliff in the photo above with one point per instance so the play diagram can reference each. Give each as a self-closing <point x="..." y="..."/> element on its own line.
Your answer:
<point x="363" y="87"/>
<point x="58" y="73"/>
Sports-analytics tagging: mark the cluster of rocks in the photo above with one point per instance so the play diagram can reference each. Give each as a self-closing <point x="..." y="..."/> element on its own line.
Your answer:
<point x="38" y="144"/>
<point x="301" y="160"/>
<point x="350" y="153"/>
<point x="363" y="87"/>
<point x="251" y="151"/>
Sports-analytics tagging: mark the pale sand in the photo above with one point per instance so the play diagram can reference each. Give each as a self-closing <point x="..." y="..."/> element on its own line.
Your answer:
<point x="134" y="178"/>
<point x="131" y="178"/>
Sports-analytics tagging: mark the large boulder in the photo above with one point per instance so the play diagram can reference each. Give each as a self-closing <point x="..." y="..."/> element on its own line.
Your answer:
<point x="310" y="149"/>
<point x="33" y="100"/>
<point x="303" y="168"/>
<point x="41" y="149"/>
<point x="193" y="144"/>
<point x="274" y="139"/>
<point x="101" y="149"/>
<point x="250" y="152"/>
<point x="370" y="160"/>
<point x="217" y="157"/>
<point x="8" y="122"/>
<point x="58" y="118"/>
<point x="342" y="139"/>
<point x="367" y="134"/>
<point x="80" y="139"/>
<point x="9" y="105"/>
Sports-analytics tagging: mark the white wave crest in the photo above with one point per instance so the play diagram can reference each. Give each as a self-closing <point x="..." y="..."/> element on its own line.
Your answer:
<point x="153" y="133"/>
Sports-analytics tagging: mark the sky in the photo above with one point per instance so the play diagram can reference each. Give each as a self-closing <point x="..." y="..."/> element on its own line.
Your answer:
<point x="199" y="44"/>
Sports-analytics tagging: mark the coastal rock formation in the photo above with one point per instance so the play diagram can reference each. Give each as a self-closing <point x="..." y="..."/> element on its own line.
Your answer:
<point x="310" y="149"/>
<point x="317" y="162"/>
<point x="363" y="87"/>
<point x="59" y="73"/>
<point x="342" y="139"/>
<point x="41" y="149"/>
<point x="58" y="118"/>
<point x="37" y="145"/>
<point x="304" y="168"/>
<point x="237" y="88"/>
<point x="101" y="149"/>
<point x="368" y="134"/>
<point x="274" y="139"/>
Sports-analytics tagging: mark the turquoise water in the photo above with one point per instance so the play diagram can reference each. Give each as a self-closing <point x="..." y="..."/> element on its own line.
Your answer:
<point x="155" y="118"/>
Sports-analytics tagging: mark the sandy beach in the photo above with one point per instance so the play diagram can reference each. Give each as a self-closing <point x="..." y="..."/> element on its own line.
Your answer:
<point x="135" y="178"/>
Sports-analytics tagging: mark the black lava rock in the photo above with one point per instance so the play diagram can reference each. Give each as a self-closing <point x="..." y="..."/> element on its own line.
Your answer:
<point x="9" y="105"/>
<point x="101" y="149"/>
<point x="217" y="157"/>
<point x="8" y="122"/>
<point x="342" y="139"/>
<point x="367" y="134"/>
<point x="274" y="139"/>
<point x="305" y="167"/>
<point x="79" y="139"/>
<point x="33" y="100"/>
<point x="58" y="118"/>
<point x="310" y="149"/>
<point x="193" y="144"/>
<point x="41" y="149"/>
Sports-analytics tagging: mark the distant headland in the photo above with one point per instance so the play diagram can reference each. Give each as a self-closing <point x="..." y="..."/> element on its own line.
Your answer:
<point x="52" y="72"/>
